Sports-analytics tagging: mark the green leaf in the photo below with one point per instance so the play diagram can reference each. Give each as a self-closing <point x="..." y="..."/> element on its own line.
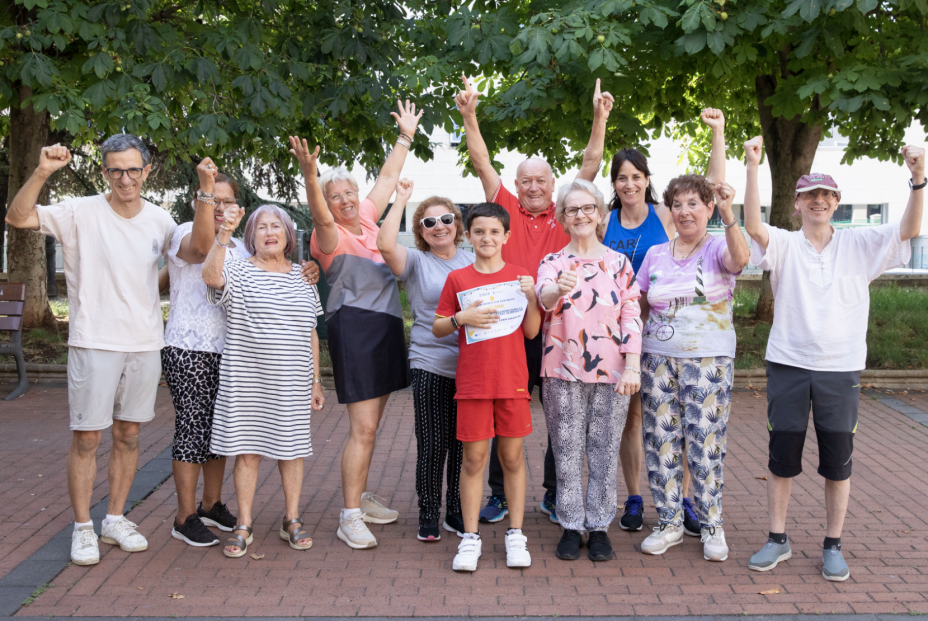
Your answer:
<point x="716" y="44"/>
<point x="159" y="78"/>
<point x="865" y="6"/>
<point x="244" y="83"/>
<point x="880" y="102"/>
<point x="808" y="43"/>
<point x="99" y="93"/>
<point x="810" y="9"/>
<point x="793" y="7"/>
<point x="707" y="17"/>
<point x="694" y="42"/>
<point x="37" y="69"/>
<point x="595" y="60"/>
<point x="834" y="42"/>
<point x="691" y="18"/>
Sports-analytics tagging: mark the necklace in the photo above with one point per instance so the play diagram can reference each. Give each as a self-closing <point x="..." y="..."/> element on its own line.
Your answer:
<point x="687" y="255"/>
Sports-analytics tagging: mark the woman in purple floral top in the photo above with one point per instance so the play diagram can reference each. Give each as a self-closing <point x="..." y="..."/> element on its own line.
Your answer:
<point x="592" y="346"/>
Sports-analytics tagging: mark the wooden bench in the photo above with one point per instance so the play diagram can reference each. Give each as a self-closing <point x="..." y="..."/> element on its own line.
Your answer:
<point x="12" y="301"/>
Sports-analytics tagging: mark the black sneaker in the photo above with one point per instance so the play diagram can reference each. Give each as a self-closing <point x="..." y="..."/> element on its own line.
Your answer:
<point x="195" y="533"/>
<point x="454" y="523"/>
<point x="428" y="530"/>
<point x="218" y="516"/>
<point x="633" y="518"/>
<point x="568" y="548"/>
<point x="600" y="548"/>
<point x="690" y="519"/>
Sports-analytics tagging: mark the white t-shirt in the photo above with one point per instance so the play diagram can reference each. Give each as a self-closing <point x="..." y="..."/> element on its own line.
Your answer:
<point x="111" y="267"/>
<point x="194" y="324"/>
<point x="823" y="300"/>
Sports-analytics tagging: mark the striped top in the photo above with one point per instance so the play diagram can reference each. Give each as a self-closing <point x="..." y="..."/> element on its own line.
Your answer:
<point x="265" y="385"/>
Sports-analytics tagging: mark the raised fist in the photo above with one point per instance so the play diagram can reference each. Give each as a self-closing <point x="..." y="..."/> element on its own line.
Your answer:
<point x="753" y="149"/>
<point x="53" y="158"/>
<point x="714" y="118"/>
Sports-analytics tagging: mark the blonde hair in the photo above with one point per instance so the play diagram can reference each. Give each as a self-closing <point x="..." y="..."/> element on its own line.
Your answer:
<point x="581" y="185"/>
<point x="434" y="201"/>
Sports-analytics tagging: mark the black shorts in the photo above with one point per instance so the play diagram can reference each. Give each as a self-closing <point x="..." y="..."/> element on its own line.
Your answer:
<point x="834" y="397"/>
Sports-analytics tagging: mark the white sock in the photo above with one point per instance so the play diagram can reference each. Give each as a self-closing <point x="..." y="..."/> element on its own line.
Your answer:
<point x="79" y="524"/>
<point x="348" y="512"/>
<point x="109" y="519"/>
<point x="514" y="531"/>
<point x="471" y="536"/>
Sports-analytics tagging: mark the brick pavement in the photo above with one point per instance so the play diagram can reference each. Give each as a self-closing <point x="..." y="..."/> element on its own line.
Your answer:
<point x="885" y="540"/>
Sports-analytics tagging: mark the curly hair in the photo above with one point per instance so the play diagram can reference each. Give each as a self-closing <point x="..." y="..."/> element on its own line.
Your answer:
<point x="417" y="216"/>
<point x="689" y="183"/>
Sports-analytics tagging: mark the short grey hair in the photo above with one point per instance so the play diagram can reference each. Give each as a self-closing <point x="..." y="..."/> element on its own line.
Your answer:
<point x="280" y="214"/>
<point x="336" y="174"/>
<point x="582" y="185"/>
<point x="124" y="142"/>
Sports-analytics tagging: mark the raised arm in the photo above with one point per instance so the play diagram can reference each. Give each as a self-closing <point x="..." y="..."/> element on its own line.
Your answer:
<point x="753" y="223"/>
<point x="323" y="222"/>
<point x="737" y="252"/>
<point x="466" y="101"/>
<point x="593" y="156"/>
<point x="407" y="120"/>
<point x="716" y="121"/>
<point x="394" y="254"/>
<point x="215" y="260"/>
<point x="22" y="213"/>
<point x="911" y="222"/>
<point x="196" y="245"/>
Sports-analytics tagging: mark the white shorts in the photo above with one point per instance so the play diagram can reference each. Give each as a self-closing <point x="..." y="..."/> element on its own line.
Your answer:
<point x="104" y="386"/>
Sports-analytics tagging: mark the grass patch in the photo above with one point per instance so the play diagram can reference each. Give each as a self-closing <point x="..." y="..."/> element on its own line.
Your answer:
<point x="36" y="593"/>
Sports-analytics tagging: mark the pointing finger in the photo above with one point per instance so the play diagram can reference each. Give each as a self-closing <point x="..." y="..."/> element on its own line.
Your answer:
<point x="596" y="92"/>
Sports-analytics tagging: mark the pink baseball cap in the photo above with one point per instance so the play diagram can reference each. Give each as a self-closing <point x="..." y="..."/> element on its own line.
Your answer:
<point x="814" y="181"/>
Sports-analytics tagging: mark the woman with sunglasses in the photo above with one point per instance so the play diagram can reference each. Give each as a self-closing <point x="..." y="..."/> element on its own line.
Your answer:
<point x="438" y="228"/>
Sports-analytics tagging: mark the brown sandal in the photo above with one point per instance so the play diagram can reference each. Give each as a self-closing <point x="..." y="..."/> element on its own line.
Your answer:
<point x="294" y="538"/>
<point x="239" y="541"/>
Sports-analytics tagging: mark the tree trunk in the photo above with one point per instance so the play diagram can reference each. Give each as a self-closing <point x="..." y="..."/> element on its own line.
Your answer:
<point x="790" y="145"/>
<point x="26" y="249"/>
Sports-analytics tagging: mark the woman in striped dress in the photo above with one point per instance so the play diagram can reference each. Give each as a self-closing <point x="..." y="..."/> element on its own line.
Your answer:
<point x="268" y="381"/>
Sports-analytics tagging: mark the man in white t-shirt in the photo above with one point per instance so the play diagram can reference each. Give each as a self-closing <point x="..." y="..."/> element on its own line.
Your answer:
<point x="818" y="343"/>
<point x="111" y="244"/>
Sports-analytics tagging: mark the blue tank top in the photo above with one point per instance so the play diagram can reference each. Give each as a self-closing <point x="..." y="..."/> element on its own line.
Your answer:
<point x="635" y="243"/>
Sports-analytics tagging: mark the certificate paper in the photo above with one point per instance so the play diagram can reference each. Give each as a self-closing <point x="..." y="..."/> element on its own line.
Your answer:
<point x="506" y="298"/>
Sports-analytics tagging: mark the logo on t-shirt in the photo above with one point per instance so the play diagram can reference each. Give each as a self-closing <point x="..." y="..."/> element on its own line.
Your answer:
<point x="154" y="247"/>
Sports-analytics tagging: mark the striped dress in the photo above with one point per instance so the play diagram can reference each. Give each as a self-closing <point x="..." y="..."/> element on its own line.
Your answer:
<point x="265" y="384"/>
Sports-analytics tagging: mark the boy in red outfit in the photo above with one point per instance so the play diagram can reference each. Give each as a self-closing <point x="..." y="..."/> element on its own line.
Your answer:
<point x="492" y="375"/>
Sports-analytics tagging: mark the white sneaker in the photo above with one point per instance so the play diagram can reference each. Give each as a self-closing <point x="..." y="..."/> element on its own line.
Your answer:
<point x="664" y="537"/>
<point x="468" y="553"/>
<point x="714" y="547"/>
<point x="122" y="533"/>
<point x="353" y="531"/>
<point x="516" y="551"/>
<point x="84" y="547"/>
<point x="375" y="512"/>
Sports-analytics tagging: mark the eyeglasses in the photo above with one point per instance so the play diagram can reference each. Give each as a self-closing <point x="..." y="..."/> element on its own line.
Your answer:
<point x="229" y="203"/>
<point x="571" y="212"/>
<point x="117" y="173"/>
<point x="337" y="198"/>
<point x="447" y="219"/>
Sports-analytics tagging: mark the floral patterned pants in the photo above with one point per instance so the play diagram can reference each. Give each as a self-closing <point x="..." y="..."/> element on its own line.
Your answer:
<point x="685" y="402"/>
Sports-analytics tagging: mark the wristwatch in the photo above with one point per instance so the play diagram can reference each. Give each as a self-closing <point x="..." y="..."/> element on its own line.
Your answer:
<point x="919" y="186"/>
<point x="454" y="322"/>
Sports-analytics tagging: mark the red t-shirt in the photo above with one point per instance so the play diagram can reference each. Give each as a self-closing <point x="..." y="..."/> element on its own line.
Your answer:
<point x="533" y="236"/>
<point x="492" y="369"/>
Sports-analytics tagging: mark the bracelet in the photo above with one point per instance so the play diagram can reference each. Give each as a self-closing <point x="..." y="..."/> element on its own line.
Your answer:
<point x="728" y="226"/>
<point x="913" y="186"/>
<point x="206" y="202"/>
<point x="406" y="136"/>
<point x="403" y="142"/>
<point x="633" y="370"/>
<point x="225" y="228"/>
<point x="201" y="195"/>
<point x="222" y="245"/>
<point x="317" y="379"/>
<point x="454" y="322"/>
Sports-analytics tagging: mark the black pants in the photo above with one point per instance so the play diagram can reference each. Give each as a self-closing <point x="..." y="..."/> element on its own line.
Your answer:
<point x="436" y="430"/>
<point x="533" y="356"/>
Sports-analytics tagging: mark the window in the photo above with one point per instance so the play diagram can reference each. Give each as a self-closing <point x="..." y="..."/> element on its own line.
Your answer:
<point x="843" y="214"/>
<point x="876" y="214"/>
<point x="455" y="137"/>
<point x="402" y="221"/>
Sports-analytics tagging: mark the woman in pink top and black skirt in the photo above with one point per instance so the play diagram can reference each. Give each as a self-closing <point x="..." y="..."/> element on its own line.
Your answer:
<point x="363" y="314"/>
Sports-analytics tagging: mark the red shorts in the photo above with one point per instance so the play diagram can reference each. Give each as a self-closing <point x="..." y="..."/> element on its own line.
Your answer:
<point x="482" y="419"/>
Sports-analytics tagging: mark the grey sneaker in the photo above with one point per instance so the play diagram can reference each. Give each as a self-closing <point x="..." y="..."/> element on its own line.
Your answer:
<point x="834" y="569"/>
<point x="375" y="511"/>
<point x="770" y="555"/>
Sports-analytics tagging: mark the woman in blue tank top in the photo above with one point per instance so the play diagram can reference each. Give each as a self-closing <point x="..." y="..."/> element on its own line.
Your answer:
<point x="637" y="222"/>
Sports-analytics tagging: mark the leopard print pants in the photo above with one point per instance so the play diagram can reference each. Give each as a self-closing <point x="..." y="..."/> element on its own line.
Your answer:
<point x="193" y="377"/>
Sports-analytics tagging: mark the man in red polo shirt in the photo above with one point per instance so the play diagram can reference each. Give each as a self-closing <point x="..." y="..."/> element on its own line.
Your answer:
<point x="535" y="233"/>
